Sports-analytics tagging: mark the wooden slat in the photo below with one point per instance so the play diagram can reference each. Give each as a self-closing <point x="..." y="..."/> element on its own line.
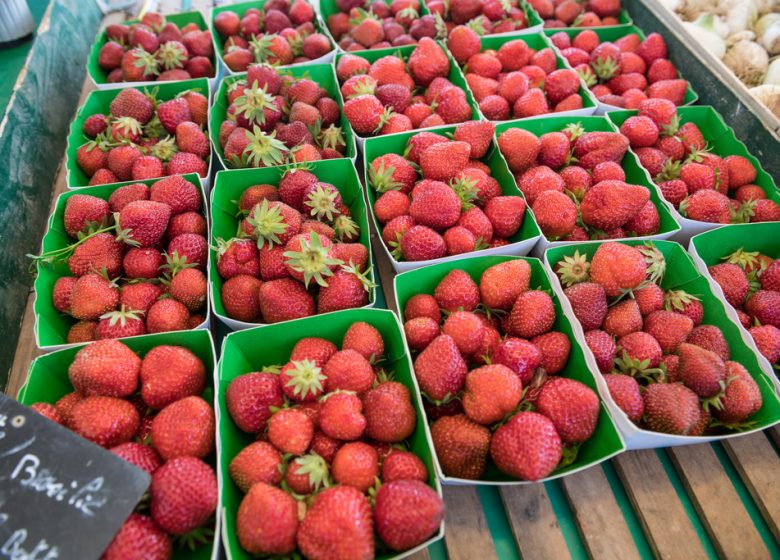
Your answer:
<point x="466" y="533"/>
<point x="656" y="503"/>
<point x="421" y="555"/>
<point x="774" y="433"/>
<point x="759" y="466"/>
<point x="534" y="524"/>
<point x="599" y="519"/>
<point x="716" y="501"/>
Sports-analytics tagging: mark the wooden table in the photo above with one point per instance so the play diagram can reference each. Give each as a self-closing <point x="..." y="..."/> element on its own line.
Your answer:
<point x="702" y="501"/>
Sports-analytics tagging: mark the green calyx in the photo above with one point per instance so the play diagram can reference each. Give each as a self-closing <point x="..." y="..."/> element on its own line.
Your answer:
<point x="165" y="149"/>
<point x="122" y="316"/>
<point x="361" y="15"/>
<point x="588" y="76"/>
<point x="322" y="201"/>
<point x="387" y="114"/>
<point x="574" y="131"/>
<point x="146" y="61"/>
<point x="656" y="263"/>
<point x="676" y="300"/>
<point x="127" y="128"/>
<point x="363" y="277"/>
<point x="101" y="142"/>
<point x="345" y="228"/>
<point x="175" y="263"/>
<point x="254" y="102"/>
<point x="381" y="177"/>
<point x="605" y="68"/>
<point x="267" y="224"/>
<point x="669" y="171"/>
<point x="743" y="259"/>
<point x="574" y="269"/>
<point x="673" y="126"/>
<point x="314" y="260"/>
<point x="154" y="128"/>
<point x="331" y="137"/>
<point x="171" y="55"/>
<point x="305" y="378"/>
<point x="637" y="368"/>
<point x="261" y="47"/>
<point x="467" y="191"/>
<point x="264" y="150"/>
<point x="316" y="468"/>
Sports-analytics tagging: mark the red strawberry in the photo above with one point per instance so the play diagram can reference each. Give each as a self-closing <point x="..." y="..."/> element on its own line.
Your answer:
<point x="625" y="391"/>
<point x="463" y="43"/>
<point x="356" y="464"/>
<point x="338" y="522"/>
<point x="572" y="406"/>
<point x="106" y="421"/>
<point x="555" y="213"/>
<point x="668" y="328"/>
<point x="671" y="408"/>
<point x="407" y="513"/>
<point x="640" y="131"/>
<point x="403" y="465"/>
<point x="341" y="416"/>
<point x="139" y="537"/>
<point x="741" y="171"/>
<point x="623" y="318"/>
<point x="491" y="392"/>
<point x="500" y="284"/>
<point x="526" y="447"/>
<point x="611" y="204"/>
<point x="259" y="462"/>
<point x="84" y="212"/>
<point x="92" y="296"/>
<point x="617" y="267"/>
<point x="170" y="373"/>
<point x="519" y="147"/>
<point x="425" y="305"/>
<point x="533" y="314"/>
<point x="457" y="291"/>
<point x="442" y="161"/>
<point x="461" y="446"/>
<point x="767" y="339"/>
<point x="561" y="84"/>
<point x="249" y="398"/>
<point x="290" y="431"/>
<point x="364" y="339"/>
<point x="652" y="48"/>
<point x="428" y="61"/>
<point x="390" y="416"/>
<point x="519" y="355"/>
<point x="144" y="222"/>
<point x="506" y="214"/>
<point x="764" y="307"/>
<point x="589" y="303"/>
<point x="267" y="521"/>
<point x="184" y="495"/>
<point x="283" y="300"/>
<point x="422" y="243"/>
<point x="364" y="113"/>
<point x="440" y="369"/>
<point x="184" y="428"/>
<point x="479" y="135"/>
<point x="707" y="206"/>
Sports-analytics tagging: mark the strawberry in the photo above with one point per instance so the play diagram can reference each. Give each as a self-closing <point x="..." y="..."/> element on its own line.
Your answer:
<point x="420" y="332"/>
<point x="173" y="112"/>
<point x="500" y="284"/>
<point x="530" y="104"/>
<point x="710" y="338"/>
<point x="407" y="512"/>
<point x="461" y="446"/>
<point x="519" y="355"/>
<point x="670" y="329"/>
<point x="267" y="521"/>
<point x="49" y="411"/>
<point x="617" y="268"/>
<point x="625" y="391"/>
<point x="106" y="421"/>
<point x="130" y="102"/>
<point x="762" y="211"/>
<point x="741" y="398"/>
<point x="741" y="171"/>
<point x="623" y="318"/>
<point x="139" y="297"/>
<point x="697" y="176"/>
<point x="341" y="416"/>
<point x="390" y="416"/>
<point x="533" y="314"/>
<point x="491" y="392"/>
<point x="463" y="43"/>
<point x="589" y="303"/>
<point x="249" y="398"/>
<point x="427" y="62"/>
<point x="519" y="147"/>
<point x="437" y="206"/>
<point x="142" y="263"/>
<point x="92" y="296"/>
<point x="671" y="408"/>
<point x="526" y="447"/>
<point x="456" y="291"/>
<point x="356" y="464"/>
<point x="422" y="243"/>
<point x="424" y="305"/>
<point x="764" y="307"/>
<point x="240" y="297"/>
<point x="732" y="280"/>
<point x="611" y="204"/>
<point x="674" y="191"/>
<point x="139" y="537"/>
<point x="189" y="287"/>
<point x="338" y="522"/>
<point x="364" y="339"/>
<point x="283" y="300"/>
<point x="506" y="214"/>
<point x="119" y="324"/>
<point x="143" y="222"/>
<point x="184" y="428"/>
<point x="641" y="131"/>
<point x="652" y="48"/>
<point x="767" y="339"/>
<point x="170" y="373"/>
<point x="707" y="206"/>
<point x="84" y="212"/>
<point x="440" y="369"/>
<point x="537" y="180"/>
<point x="142" y="456"/>
<point x="479" y="135"/>
<point x="392" y="172"/>
<point x="560" y="84"/>
<point x="290" y="431"/>
<point x="442" y="161"/>
<point x="364" y="113"/>
<point x="237" y="256"/>
<point x="183" y="495"/>
<point x="348" y="370"/>
<point x="98" y="253"/>
<point x="572" y="406"/>
<point x="403" y="465"/>
<point x="673" y="90"/>
<point x="555" y="213"/>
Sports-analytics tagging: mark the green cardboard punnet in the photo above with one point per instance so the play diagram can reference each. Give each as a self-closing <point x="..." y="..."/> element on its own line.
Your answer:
<point x="100" y="76"/>
<point x="635" y="173"/>
<point x="520" y="244"/>
<point x="48" y="380"/>
<point x="99" y="101"/>
<point x="228" y="187"/>
<point x="51" y="326"/>
<point x="323" y="74"/>
<point x="605" y="441"/>
<point x="252" y="349"/>
<point x="681" y="274"/>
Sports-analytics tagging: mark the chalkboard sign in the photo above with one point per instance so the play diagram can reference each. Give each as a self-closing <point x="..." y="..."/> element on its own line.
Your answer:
<point x="61" y="497"/>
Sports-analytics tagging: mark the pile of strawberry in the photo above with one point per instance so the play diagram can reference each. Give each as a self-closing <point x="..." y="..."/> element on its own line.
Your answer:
<point x="155" y="49"/>
<point x="330" y="427"/>
<point x="626" y="72"/>
<point x="576" y="13"/>
<point x="379" y="97"/>
<point x="515" y="81"/>
<point x="440" y="199"/>
<point x="664" y="368"/>
<point x="143" y="138"/>
<point x="282" y="33"/>
<point x="273" y="118"/>
<point x="693" y="179"/>
<point x="575" y="185"/>
<point x="297" y="253"/>
<point x="751" y="283"/>
<point x="381" y="25"/>
<point x="138" y="261"/>
<point x="485" y="351"/>
<point x="484" y="16"/>
<point x="149" y="411"/>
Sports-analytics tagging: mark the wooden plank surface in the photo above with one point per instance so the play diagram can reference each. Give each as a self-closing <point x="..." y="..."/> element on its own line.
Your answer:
<point x="716" y="501"/>
<point x="759" y="468"/>
<point x="534" y="525"/>
<point x="466" y="532"/>
<point x="599" y="519"/>
<point x="663" y="518"/>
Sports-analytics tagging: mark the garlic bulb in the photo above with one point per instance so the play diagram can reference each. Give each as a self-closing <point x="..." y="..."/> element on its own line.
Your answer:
<point x="691" y="9"/>
<point x="770" y="38"/>
<point x="708" y="39"/>
<point x="748" y="60"/>
<point x="772" y="76"/>
<point x="769" y="95"/>
<point x="741" y="16"/>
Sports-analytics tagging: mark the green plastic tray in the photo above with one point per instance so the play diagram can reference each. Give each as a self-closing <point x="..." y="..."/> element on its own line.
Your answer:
<point x="99" y="101"/>
<point x="228" y="187"/>
<point x="455" y="76"/>
<point x="100" y="77"/>
<point x="323" y="74"/>
<point x="709" y="248"/>
<point x="723" y="142"/>
<point x="635" y="173"/>
<point x="604" y="443"/>
<point x="521" y="243"/>
<point x="538" y="41"/>
<point x="51" y="326"/>
<point x="240" y="8"/>
<point x="250" y="350"/>
<point x="48" y="380"/>
<point x="681" y="273"/>
<point x="612" y="33"/>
